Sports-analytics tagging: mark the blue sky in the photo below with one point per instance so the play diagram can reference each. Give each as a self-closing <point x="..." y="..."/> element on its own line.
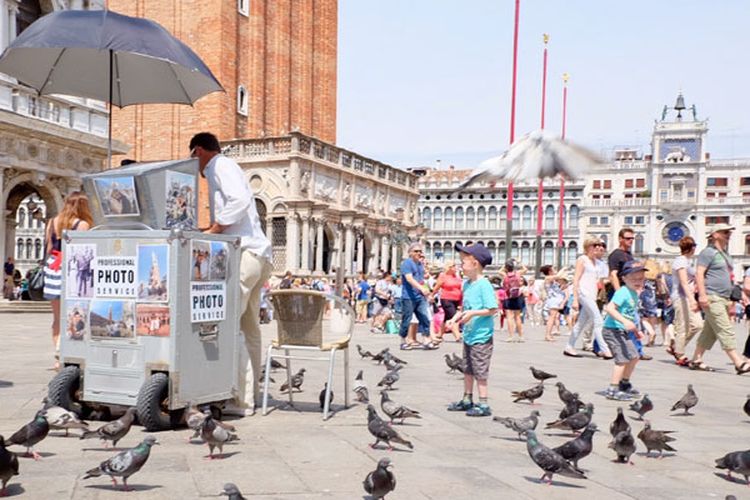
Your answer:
<point x="422" y="80"/>
<point x="144" y="261"/>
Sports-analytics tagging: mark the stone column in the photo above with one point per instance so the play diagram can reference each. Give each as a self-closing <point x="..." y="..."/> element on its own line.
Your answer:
<point x="292" y="243"/>
<point x="294" y="178"/>
<point x="375" y="253"/>
<point x="348" y="249"/>
<point x="4" y="28"/>
<point x="319" y="240"/>
<point x="361" y="253"/>
<point x="384" y="253"/>
<point x="4" y="249"/>
<point x="395" y="264"/>
<point x="305" y="244"/>
<point x="336" y="246"/>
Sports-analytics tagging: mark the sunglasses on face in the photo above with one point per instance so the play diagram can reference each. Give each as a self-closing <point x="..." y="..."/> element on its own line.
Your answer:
<point x="600" y="245"/>
<point x="629" y="238"/>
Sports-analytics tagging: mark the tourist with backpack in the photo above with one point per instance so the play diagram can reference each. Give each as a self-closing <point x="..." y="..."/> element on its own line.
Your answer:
<point x="514" y="303"/>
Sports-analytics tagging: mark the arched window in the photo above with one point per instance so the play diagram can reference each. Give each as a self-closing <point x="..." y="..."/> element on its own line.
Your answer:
<point x="19" y="249"/>
<point x="481" y="218"/>
<point x="526" y="253"/>
<point x="549" y="219"/>
<point x="470" y="216"/>
<point x="428" y="251"/>
<point x="500" y="252"/>
<point x="492" y="218"/>
<point x="573" y="221"/>
<point x="449" y="218"/>
<point x="503" y="216"/>
<point x="527" y="217"/>
<point x="438" y="218"/>
<point x="29" y="246"/>
<point x="516" y="217"/>
<point x="493" y="251"/>
<point x="572" y="253"/>
<point x="21" y="218"/>
<point x="427" y="217"/>
<point x="459" y="218"/>
<point x="242" y="99"/>
<point x="514" y="250"/>
<point x="638" y="244"/>
<point x="564" y="219"/>
<point x="604" y="238"/>
<point x="37" y="249"/>
<point x="549" y="253"/>
<point x="447" y="252"/>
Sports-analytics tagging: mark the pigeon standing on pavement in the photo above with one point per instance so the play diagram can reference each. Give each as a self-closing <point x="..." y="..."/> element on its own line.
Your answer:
<point x="624" y="446"/>
<point x="390" y="378"/>
<point x="322" y="396"/>
<point x="642" y="406"/>
<point x="389" y="357"/>
<point x="296" y="382"/>
<point x="115" y="430"/>
<point x="565" y="395"/>
<point x="619" y="424"/>
<point x="390" y="363"/>
<point x="575" y="422"/>
<point x="379" y="356"/>
<point x="363" y="354"/>
<point x="737" y="461"/>
<point x="452" y="364"/>
<point x="31" y="434"/>
<point x="655" y="440"/>
<point x="215" y="436"/>
<point x="62" y="419"/>
<point x="520" y="425"/>
<point x="382" y="431"/>
<point x="689" y="400"/>
<point x="460" y="361"/>
<point x="381" y="481"/>
<point x="360" y="389"/>
<point x="396" y="410"/>
<point x="529" y="394"/>
<point x="8" y="466"/>
<point x="578" y="448"/>
<point x="541" y="375"/>
<point x="124" y="464"/>
<point x="275" y="365"/>
<point x="548" y="460"/>
<point x="573" y="406"/>
<point x="194" y="418"/>
<point x="232" y="491"/>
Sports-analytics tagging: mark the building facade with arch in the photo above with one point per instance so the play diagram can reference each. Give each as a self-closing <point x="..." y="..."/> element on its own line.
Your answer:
<point x="322" y="205"/>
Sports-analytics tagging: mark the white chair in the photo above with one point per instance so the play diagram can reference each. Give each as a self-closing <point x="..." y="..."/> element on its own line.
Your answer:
<point x="299" y="317"/>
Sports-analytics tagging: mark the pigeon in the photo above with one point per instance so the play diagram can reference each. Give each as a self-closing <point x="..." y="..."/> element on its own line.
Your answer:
<point x="262" y="378"/>
<point x="548" y="460"/>
<point x="31" y="434"/>
<point x="8" y="466"/>
<point x="379" y="356"/>
<point x="643" y="406"/>
<point x="689" y="400"/>
<point x="541" y="375"/>
<point x="747" y="406"/>
<point x="574" y="422"/>
<point x="619" y="424"/>
<point x="565" y="395"/>
<point x="530" y="394"/>
<point x="381" y="481"/>
<point x="390" y="378"/>
<point x="322" y="397"/>
<point x="194" y="418"/>
<point x="390" y="363"/>
<point x="624" y="446"/>
<point x="452" y="364"/>
<point x="520" y="425"/>
<point x="578" y="448"/>
<point x="655" y="440"/>
<point x="62" y="419"/>
<point x="388" y="356"/>
<point x="461" y="362"/>
<point x="364" y="354"/>
<point x="574" y="406"/>
<point x="113" y="431"/>
<point x="396" y="410"/>
<point x="382" y="431"/>
<point x="360" y="389"/>
<point x="275" y="365"/>
<point x="296" y="383"/>
<point x="737" y="461"/>
<point x="232" y="491"/>
<point x="215" y="436"/>
<point x="124" y="464"/>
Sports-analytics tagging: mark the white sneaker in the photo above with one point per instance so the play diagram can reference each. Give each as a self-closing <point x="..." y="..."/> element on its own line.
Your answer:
<point x="233" y="410"/>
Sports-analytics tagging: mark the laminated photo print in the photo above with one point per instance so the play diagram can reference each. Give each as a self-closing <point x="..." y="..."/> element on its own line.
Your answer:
<point x="79" y="271"/>
<point x="201" y="260"/>
<point x="117" y="196"/>
<point x="153" y="273"/>
<point x="77" y="319"/>
<point x="152" y="320"/>
<point x="112" y="319"/>
<point x="219" y="256"/>
<point x="181" y="200"/>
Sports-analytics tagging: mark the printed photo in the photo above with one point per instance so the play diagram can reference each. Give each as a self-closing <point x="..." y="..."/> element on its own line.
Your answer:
<point x="219" y="256"/>
<point x="112" y="319"/>
<point x="180" y="200"/>
<point x="77" y="314"/>
<point x="79" y="271"/>
<point x="152" y="320"/>
<point x="153" y="279"/>
<point x="117" y="196"/>
<point x="201" y="262"/>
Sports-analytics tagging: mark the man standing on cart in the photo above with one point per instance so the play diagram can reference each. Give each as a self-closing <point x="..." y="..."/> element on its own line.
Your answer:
<point x="233" y="212"/>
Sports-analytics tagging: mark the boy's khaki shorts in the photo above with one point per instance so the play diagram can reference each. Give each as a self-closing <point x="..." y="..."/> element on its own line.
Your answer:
<point x="478" y="358"/>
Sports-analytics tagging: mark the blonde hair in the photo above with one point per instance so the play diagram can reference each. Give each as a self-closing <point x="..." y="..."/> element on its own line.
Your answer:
<point x="666" y="267"/>
<point x="590" y="242"/>
<point x="76" y="208"/>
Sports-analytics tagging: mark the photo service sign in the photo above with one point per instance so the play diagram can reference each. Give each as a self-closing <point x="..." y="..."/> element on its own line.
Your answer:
<point x="115" y="277"/>
<point x="208" y="301"/>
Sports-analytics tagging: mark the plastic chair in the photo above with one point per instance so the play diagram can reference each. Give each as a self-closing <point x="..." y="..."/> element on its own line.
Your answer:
<point x="299" y="317"/>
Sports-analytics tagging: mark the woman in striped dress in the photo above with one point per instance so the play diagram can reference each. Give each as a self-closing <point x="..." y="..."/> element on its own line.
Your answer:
<point x="75" y="215"/>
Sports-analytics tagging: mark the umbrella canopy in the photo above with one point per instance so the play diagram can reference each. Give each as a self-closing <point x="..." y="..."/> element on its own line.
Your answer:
<point x="85" y="52"/>
<point x="536" y="155"/>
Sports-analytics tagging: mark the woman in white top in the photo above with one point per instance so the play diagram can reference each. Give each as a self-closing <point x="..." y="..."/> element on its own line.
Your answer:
<point x="687" y="317"/>
<point x="585" y="281"/>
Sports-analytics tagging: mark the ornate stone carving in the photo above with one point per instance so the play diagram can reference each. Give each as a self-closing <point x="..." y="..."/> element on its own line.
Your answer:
<point x="364" y="197"/>
<point x="304" y="183"/>
<point x="347" y="193"/>
<point x="325" y="187"/>
<point x="397" y="202"/>
<point x="380" y="202"/>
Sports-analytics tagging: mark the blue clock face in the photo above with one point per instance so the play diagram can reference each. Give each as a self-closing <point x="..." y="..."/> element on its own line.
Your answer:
<point x="674" y="232"/>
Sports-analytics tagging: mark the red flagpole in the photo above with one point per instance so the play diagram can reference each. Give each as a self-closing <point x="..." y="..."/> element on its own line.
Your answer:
<point x="566" y="77"/>
<point x="509" y="214"/>
<point x="540" y="193"/>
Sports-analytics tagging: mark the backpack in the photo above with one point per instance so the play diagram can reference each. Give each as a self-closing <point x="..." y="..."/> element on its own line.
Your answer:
<point x="512" y="285"/>
<point x="36" y="284"/>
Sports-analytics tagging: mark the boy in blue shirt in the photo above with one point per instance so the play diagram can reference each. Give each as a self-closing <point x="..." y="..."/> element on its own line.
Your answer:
<point x="477" y="317"/>
<point x="622" y="318"/>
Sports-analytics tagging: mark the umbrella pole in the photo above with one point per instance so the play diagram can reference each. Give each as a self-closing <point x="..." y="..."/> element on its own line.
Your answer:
<point x="560" y="242"/>
<point x="509" y="212"/>
<point x="109" y="138"/>
<point x="540" y="192"/>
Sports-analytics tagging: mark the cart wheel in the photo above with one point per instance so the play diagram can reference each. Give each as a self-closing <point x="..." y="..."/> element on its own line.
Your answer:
<point x="152" y="406"/>
<point x="64" y="390"/>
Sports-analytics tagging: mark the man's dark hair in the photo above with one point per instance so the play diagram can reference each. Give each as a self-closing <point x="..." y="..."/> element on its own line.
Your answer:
<point x="128" y="161"/>
<point x="624" y="230"/>
<point x="206" y="140"/>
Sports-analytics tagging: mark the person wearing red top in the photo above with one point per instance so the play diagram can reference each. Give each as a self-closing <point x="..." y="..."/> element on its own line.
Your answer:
<point x="449" y="285"/>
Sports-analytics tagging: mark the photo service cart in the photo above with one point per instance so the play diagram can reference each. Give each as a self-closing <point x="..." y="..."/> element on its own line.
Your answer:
<point x="150" y="306"/>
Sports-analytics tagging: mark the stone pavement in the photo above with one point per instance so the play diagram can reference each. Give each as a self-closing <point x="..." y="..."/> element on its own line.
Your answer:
<point x="295" y="455"/>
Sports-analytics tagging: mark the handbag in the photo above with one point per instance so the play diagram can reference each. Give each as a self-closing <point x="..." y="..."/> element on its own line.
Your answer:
<point x="36" y="284"/>
<point x="736" y="295"/>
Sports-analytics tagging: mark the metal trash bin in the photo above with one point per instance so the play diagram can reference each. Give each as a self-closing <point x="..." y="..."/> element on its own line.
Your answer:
<point x="149" y="317"/>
